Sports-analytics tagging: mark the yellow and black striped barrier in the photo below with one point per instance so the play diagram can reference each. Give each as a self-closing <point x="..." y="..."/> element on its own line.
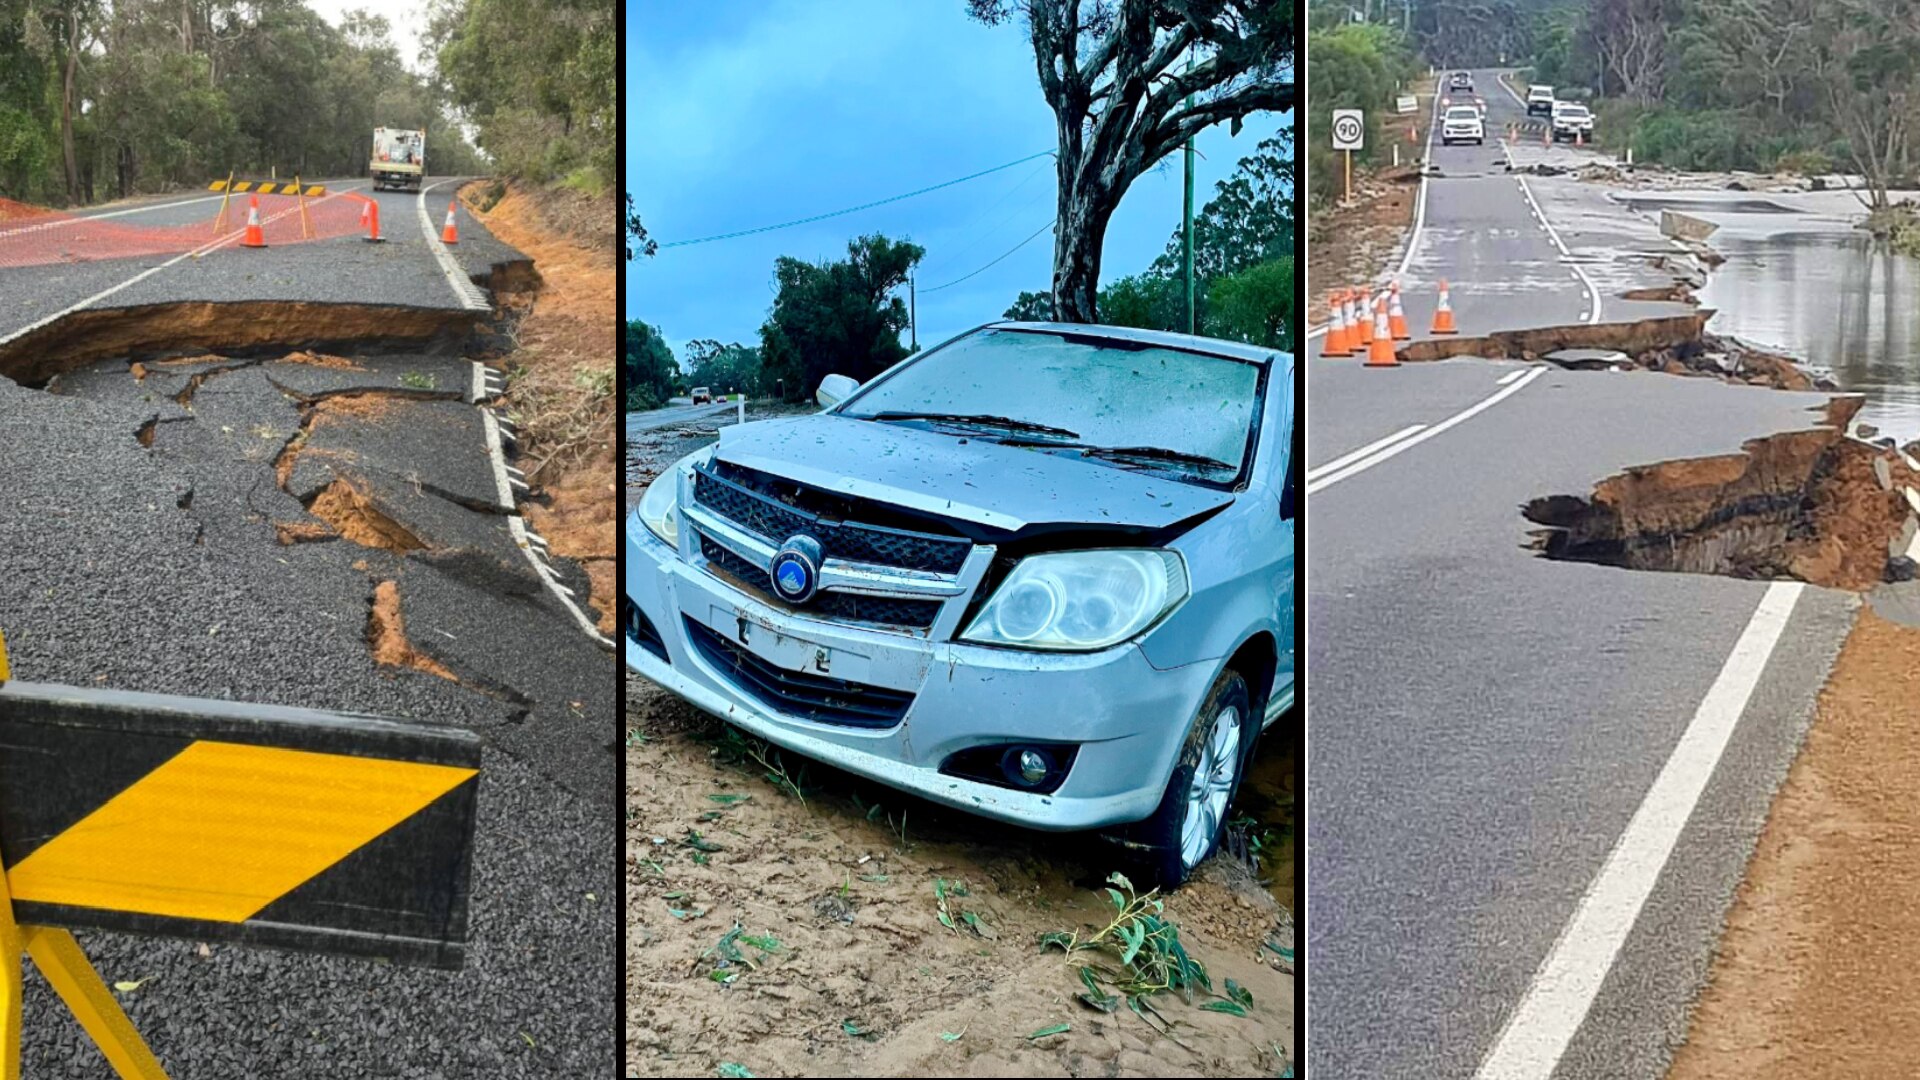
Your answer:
<point x="217" y="821"/>
<point x="267" y="187"/>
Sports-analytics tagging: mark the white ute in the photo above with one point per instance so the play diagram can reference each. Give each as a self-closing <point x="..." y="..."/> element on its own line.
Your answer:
<point x="1462" y="123"/>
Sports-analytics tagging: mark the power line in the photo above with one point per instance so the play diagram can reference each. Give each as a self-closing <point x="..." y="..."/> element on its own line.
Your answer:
<point x="856" y="209"/>
<point x="1003" y="255"/>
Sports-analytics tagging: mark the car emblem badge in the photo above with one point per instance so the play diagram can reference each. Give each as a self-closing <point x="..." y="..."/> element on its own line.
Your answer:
<point x="796" y="569"/>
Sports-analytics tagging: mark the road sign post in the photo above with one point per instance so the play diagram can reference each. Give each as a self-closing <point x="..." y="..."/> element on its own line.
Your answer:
<point x="1349" y="134"/>
<point x="216" y="821"/>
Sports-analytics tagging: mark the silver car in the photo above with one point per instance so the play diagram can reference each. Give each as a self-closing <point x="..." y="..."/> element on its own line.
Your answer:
<point x="1043" y="573"/>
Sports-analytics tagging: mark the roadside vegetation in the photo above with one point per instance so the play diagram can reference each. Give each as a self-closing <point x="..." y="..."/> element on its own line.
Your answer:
<point x="1356" y="65"/>
<point x="1766" y="85"/>
<point x="1243" y="266"/>
<point x="103" y="100"/>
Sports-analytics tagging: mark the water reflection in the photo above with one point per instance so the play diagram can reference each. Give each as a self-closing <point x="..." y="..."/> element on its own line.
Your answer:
<point x="1834" y="301"/>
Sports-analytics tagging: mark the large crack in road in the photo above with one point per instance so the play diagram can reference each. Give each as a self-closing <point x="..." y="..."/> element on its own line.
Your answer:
<point x="296" y="504"/>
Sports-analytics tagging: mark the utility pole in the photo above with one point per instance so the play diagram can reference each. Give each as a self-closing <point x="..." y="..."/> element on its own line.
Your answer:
<point x="913" y="311"/>
<point x="1186" y="232"/>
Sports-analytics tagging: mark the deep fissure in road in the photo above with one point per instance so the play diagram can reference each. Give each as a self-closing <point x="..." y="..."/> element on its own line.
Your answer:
<point x="1670" y="344"/>
<point x="1811" y="505"/>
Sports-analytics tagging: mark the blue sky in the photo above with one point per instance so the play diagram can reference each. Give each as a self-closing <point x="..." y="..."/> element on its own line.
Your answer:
<point x="743" y="113"/>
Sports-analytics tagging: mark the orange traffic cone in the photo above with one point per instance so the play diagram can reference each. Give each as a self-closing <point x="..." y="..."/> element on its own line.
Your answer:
<point x="1336" y="346"/>
<point x="1380" y="354"/>
<point x="370" y="217"/>
<point x="1365" y="338"/>
<point x="1397" y="318"/>
<point x="255" y="236"/>
<point x="1443" y="315"/>
<point x="450" y="235"/>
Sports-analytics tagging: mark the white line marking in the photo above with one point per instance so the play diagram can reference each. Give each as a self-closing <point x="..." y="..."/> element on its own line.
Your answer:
<point x="517" y="527"/>
<point x="464" y="289"/>
<point x="1420" y="199"/>
<point x="1556" y="1004"/>
<point x="1560" y="245"/>
<point x="152" y="270"/>
<point x="1321" y="470"/>
<point x="1511" y="375"/>
<point x="1461" y="417"/>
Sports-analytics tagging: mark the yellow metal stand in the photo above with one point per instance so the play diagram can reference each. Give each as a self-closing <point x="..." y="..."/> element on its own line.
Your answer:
<point x="299" y="194"/>
<point x="59" y="958"/>
<point x="226" y="194"/>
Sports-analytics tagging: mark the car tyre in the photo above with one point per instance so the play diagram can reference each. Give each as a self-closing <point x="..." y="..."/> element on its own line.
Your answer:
<point x="1185" y="829"/>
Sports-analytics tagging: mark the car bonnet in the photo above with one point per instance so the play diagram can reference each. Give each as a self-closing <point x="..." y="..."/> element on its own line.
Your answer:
<point x="962" y="477"/>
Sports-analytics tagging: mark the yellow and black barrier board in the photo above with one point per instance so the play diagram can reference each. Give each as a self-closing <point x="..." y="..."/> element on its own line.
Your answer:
<point x="265" y="187"/>
<point x="217" y="821"/>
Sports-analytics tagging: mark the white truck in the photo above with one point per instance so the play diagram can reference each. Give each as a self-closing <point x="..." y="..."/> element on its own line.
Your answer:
<point x="399" y="158"/>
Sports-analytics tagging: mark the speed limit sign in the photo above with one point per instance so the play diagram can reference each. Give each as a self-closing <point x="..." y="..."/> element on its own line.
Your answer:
<point x="1349" y="129"/>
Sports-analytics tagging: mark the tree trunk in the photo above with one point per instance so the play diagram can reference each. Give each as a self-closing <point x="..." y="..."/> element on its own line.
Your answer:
<point x="1078" y="234"/>
<point x="66" y="110"/>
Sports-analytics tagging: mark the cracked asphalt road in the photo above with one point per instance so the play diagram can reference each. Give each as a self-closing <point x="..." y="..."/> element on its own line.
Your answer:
<point x="161" y="567"/>
<point x="1485" y="722"/>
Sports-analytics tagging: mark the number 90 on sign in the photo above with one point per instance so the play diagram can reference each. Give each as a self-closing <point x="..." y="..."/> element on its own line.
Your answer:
<point x="1349" y="129"/>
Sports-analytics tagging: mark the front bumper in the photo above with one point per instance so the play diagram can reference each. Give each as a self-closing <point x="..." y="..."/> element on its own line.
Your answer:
<point x="1126" y="717"/>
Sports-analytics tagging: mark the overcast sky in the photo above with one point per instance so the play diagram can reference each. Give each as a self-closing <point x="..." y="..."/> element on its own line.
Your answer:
<point x="743" y="113"/>
<point x="407" y="20"/>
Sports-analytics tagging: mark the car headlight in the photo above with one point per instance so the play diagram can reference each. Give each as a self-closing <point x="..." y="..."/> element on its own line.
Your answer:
<point x="660" y="505"/>
<point x="1081" y="600"/>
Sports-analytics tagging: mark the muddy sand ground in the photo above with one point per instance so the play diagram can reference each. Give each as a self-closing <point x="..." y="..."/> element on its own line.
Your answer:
<point x="775" y="931"/>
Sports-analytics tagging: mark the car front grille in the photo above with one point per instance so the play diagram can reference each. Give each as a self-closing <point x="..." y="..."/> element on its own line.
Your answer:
<point x="799" y="694"/>
<point x="748" y="499"/>
<point x="833" y="606"/>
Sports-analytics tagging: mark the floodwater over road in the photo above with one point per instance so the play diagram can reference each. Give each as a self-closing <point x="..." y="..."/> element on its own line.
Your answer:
<point x="1829" y="298"/>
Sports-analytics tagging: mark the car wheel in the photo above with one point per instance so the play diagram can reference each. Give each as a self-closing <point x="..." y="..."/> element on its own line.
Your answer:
<point x="1186" y="827"/>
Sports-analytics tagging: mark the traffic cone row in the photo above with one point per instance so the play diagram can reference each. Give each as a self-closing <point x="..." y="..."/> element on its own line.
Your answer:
<point x="1360" y="323"/>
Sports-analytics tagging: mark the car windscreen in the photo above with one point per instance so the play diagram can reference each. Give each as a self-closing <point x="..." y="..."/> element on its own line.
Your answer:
<point x="1463" y="112"/>
<point x="1577" y="111"/>
<point x="1165" y="410"/>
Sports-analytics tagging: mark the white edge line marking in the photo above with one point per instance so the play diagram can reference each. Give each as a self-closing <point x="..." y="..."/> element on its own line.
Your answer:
<point x="517" y="526"/>
<point x="1321" y="470"/>
<point x="143" y="275"/>
<point x="1420" y="199"/>
<point x="464" y="289"/>
<point x="1556" y="1003"/>
<point x="479" y="381"/>
<point x="1409" y="443"/>
<point x="1511" y="375"/>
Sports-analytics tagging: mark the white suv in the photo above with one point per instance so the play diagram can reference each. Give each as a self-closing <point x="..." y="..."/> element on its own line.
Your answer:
<point x="1539" y="99"/>
<point x="1462" y="123"/>
<point x="1571" y="121"/>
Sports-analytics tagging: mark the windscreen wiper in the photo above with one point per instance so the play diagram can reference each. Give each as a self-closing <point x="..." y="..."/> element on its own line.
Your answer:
<point x="1127" y="453"/>
<point x="1004" y="423"/>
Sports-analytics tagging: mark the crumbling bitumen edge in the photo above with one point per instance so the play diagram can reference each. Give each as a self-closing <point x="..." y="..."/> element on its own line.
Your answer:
<point x="529" y="542"/>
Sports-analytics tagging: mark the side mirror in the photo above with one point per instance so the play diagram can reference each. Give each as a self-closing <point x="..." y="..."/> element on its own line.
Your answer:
<point x="835" y="389"/>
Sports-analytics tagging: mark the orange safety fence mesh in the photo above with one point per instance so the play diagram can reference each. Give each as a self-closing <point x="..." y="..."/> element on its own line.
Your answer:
<point x="35" y="236"/>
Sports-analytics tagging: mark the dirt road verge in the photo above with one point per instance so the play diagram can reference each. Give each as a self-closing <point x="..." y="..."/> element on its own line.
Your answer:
<point x="1815" y="975"/>
<point x="787" y="918"/>
<point x="560" y="370"/>
<point x="1355" y="242"/>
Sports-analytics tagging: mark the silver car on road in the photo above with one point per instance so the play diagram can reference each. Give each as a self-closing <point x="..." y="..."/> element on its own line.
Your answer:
<point x="1043" y="573"/>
